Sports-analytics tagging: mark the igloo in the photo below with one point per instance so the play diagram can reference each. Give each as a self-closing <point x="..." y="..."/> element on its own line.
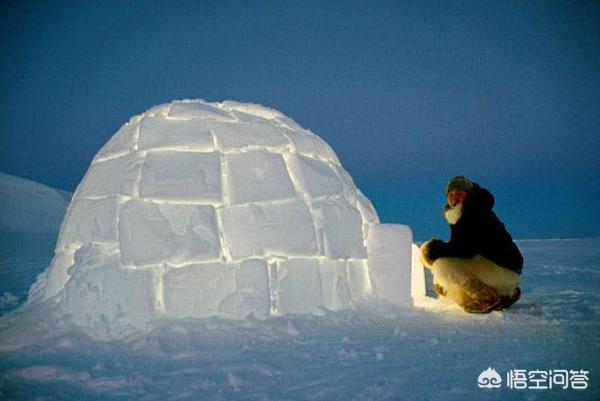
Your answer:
<point x="195" y="209"/>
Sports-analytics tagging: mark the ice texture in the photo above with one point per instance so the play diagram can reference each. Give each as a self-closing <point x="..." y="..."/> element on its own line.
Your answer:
<point x="187" y="109"/>
<point x="335" y="291"/>
<point x="122" y="142"/>
<point x="55" y="277"/>
<point x="418" y="282"/>
<point x="105" y="296"/>
<point x="298" y="286"/>
<point x="184" y="176"/>
<point x="311" y="145"/>
<point x="252" y="293"/>
<point x="236" y="136"/>
<point x="112" y="177"/>
<point x="195" y="209"/>
<point x="259" y="230"/>
<point x="160" y="133"/>
<point x="197" y="290"/>
<point x="258" y="176"/>
<point x="341" y="225"/>
<point x="152" y="233"/>
<point x="317" y="178"/>
<point x="89" y="220"/>
<point x="359" y="282"/>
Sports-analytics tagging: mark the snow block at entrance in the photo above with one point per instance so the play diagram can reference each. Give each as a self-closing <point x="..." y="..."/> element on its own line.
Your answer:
<point x="390" y="263"/>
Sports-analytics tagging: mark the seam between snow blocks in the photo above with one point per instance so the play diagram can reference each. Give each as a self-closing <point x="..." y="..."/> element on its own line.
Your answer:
<point x="272" y="284"/>
<point x="159" y="289"/>
<point x="302" y="194"/>
<point x="225" y="254"/>
<point x="142" y="161"/>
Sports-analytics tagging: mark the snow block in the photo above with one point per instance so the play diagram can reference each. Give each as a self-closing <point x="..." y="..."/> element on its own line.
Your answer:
<point x="390" y="262"/>
<point x="334" y="284"/>
<point x="105" y="297"/>
<point x="359" y="282"/>
<point x="89" y="220"/>
<point x="418" y="285"/>
<point x="367" y="212"/>
<point x="251" y="294"/>
<point x="152" y="233"/>
<point x="184" y="176"/>
<point x="298" y="287"/>
<point x="244" y="135"/>
<point x="57" y="275"/>
<point x="121" y="142"/>
<point x="197" y="290"/>
<point x="159" y="109"/>
<point x="251" y="110"/>
<point x="185" y="110"/>
<point x="100" y="180"/>
<point x="341" y="225"/>
<point x="161" y="133"/>
<point x="316" y="178"/>
<point x="350" y="190"/>
<point x="309" y="144"/>
<point x="264" y="229"/>
<point x="366" y="209"/>
<point x="257" y="176"/>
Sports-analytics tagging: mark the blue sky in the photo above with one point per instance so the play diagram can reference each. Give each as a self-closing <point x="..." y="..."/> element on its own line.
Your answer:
<point x="408" y="93"/>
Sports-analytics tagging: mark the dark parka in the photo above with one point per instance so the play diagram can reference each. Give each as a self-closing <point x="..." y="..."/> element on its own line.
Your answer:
<point x="479" y="231"/>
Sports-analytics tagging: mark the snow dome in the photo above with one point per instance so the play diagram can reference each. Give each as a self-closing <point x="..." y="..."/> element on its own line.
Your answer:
<point x="195" y="209"/>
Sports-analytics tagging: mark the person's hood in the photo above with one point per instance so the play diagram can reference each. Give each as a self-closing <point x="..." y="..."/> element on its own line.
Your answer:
<point x="481" y="198"/>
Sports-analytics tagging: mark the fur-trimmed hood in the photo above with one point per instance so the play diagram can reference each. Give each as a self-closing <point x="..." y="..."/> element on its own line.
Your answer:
<point x="479" y="200"/>
<point x="453" y="214"/>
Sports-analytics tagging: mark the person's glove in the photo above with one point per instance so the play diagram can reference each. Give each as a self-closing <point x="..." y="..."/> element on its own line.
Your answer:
<point x="436" y="249"/>
<point x="430" y="251"/>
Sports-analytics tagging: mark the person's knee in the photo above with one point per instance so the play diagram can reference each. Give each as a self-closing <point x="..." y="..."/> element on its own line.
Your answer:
<point x="501" y="279"/>
<point x="451" y="271"/>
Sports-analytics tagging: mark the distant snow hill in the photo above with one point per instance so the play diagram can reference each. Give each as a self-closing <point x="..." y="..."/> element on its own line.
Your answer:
<point x="30" y="207"/>
<point x="30" y="217"/>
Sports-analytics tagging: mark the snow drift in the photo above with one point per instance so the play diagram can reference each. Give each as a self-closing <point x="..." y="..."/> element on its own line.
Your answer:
<point x="196" y="209"/>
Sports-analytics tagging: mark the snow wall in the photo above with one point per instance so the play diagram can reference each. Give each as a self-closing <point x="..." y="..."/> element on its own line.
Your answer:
<point x="196" y="209"/>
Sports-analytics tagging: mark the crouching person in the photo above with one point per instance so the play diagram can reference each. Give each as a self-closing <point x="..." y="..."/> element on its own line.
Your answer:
<point x="479" y="268"/>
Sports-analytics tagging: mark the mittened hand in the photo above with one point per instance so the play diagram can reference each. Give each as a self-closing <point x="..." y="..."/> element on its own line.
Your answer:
<point x="430" y="251"/>
<point x="436" y="249"/>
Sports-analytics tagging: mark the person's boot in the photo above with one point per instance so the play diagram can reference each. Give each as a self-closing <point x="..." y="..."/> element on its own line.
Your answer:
<point x="480" y="297"/>
<point x="506" y="301"/>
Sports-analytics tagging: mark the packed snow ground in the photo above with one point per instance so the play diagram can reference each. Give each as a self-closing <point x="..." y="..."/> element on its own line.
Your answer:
<point x="375" y="353"/>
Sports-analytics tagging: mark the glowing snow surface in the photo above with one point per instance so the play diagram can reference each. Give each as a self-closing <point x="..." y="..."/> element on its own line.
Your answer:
<point x="194" y="209"/>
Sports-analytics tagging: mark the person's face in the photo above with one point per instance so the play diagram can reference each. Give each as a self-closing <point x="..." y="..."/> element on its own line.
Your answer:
<point x="456" y="196"/>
